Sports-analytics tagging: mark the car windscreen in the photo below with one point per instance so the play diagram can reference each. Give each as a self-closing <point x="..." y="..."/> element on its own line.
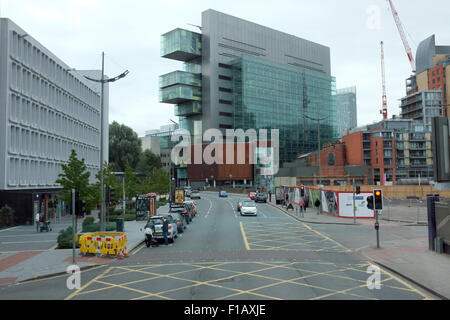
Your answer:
<point x="249" y="204"/>
<point x="156" y="221"/>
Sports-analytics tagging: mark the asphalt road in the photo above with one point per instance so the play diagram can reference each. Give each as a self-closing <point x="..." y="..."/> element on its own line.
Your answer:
<point x="225" y="256"/>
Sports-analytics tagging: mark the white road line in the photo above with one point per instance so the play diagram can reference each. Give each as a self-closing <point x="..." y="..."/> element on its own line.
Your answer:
<point x="210" y="207"/>
<point x="9" y="229"/>
<point x="234" y="211"/>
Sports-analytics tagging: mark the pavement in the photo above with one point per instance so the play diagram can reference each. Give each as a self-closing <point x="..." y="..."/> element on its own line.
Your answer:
<point x="408" y="256"/>
<point x="26" y="254"/>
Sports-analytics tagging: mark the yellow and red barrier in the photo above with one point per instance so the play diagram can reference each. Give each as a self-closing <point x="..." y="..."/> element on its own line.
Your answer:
<point x="104" y="244"/>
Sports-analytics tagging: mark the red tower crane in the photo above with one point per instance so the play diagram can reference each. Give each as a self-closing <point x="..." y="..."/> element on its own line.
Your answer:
<point x="383" y="79"/>
<point x="403" y="36"/>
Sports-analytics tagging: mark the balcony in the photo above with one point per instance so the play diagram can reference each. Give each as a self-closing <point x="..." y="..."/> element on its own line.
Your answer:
<point x="181" y="45"/>
<point x="188" y="109"/>
<point x="180" y="77"/>
<point x="178" y="94"/>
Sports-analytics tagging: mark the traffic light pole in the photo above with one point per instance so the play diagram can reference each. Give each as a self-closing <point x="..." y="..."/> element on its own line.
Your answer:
<point x="354" y="212"/>
<point x="377" y="225"/>
<point x="74" y="223"/>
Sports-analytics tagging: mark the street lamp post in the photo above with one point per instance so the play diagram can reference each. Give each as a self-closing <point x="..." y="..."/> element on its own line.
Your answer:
<point x="102" y="102"/>
<point x="318" y="149"/>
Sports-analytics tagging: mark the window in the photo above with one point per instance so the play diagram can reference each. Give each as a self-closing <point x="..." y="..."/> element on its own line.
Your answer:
<point x="226" y="66"/>
<point x="225" y="101"/>
<point x="225" y="114"/>
<point x="224" y="77"/>
<point x="225" y="90"/>
<point x="225" y="126"/>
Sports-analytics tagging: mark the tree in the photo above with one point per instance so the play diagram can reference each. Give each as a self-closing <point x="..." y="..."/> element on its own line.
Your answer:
<point x="157" y="181"/>
<point x="124" y="147"/>
<point x="131" y="182"/>
<point x="74" y="176"/>
<point x="148" y="161"/>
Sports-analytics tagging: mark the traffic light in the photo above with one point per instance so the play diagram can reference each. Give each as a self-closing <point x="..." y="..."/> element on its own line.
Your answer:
<point x="302" y="191"/>
<point x="111" y="195"/>
<point x="370" y="202"/>
<point x="83" y="207"/>
<point x="358" y="189"/>
<point x="378" y="195"/>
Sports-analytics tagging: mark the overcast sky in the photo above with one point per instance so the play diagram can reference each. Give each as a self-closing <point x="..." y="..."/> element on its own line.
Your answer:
<point x="77" y="31"/>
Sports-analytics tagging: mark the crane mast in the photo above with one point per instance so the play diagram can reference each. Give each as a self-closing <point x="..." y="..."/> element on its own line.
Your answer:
<point x="383" y="79"/>
<point x="403" y="36"/>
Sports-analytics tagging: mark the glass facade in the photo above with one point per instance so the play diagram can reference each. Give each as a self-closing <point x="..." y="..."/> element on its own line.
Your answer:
<point x="180" y="77"/>
<point x="180" y="44"/>
<point x="179" y="94"/>
<point x="347" y="112"/>
<point x="268" y="95"/>
<point x="187" y="109"/>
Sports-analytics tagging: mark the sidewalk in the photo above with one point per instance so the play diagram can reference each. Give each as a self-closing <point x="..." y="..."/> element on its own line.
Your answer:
<point x="411" y="259"/>
<point x="310" y="216"/>
<point x="27" y="265"/>
<point x="407" y="257"/>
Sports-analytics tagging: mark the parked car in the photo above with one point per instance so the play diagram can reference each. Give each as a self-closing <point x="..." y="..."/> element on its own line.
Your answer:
<point x="187" y="191"/>
<point x="252" y="195"/>
<point x="223" y="194"/>
<point x="181" y="209"/>
<point x="240" y="202"/>
<point x="190" y="206"/>
<point x="249" y="208"/>
<point x="179" y="220"/>
<point x="158" y="223"/>
<point x="195" y="194"/>
<point x="261" y="197"/>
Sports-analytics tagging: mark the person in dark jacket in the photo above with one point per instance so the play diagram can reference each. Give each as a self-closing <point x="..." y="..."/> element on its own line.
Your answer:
<point x="165" y="230"/>
<point x="317" y="205"/>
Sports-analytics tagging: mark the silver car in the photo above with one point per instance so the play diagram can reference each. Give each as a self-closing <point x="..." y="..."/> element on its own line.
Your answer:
<point x="172" y="232"/>
<point x="240" y="202"/>
<point x="248" y="208"/>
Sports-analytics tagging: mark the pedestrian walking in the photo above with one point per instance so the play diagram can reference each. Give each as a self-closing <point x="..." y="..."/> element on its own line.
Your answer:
<point x="317" y="205"/>
<point x="37" y="220"/>
<point x="165" y="229"/>
<point x="300" y="204"/>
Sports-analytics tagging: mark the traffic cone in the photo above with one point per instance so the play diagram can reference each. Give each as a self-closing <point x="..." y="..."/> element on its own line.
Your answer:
<point x="125" y="252"/>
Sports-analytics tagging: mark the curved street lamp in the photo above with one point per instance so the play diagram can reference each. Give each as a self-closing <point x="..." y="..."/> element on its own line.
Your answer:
<point x="103" y="81"/>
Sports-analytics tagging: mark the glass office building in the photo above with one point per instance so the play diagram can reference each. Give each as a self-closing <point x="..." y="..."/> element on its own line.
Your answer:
<point x="240" y="75"/>
<point x="268" y="95"/>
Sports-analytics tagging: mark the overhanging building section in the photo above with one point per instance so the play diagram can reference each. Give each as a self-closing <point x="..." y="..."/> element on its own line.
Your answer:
<point x="181" y="45"/>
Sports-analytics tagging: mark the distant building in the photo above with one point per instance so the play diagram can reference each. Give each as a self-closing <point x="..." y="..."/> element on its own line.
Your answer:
<point x="432" y="71"/>
<point x="46" y="110"/>
<point x="346" y="110"/>
<point x="161" y="136"/>
<point x="241" y="75"/>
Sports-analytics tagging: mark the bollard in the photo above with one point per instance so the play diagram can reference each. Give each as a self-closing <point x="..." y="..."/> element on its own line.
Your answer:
<point x="431" y="211"/>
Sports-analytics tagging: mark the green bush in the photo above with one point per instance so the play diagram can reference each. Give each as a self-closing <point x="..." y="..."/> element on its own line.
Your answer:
<point x="88" y="221"/>
<point x="6" y="216"/>
<point x="128" y="217"/>
<point x="65" y="239"/>
<point x="95" y="227"/>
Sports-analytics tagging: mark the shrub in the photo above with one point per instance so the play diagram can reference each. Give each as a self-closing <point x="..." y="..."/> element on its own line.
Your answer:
<point x="6" y="216"/>
<point x="95" y="227"/>
<point x="128" y="217"/>
<point x="88" y="220"/>
<point x="65" y="239"/>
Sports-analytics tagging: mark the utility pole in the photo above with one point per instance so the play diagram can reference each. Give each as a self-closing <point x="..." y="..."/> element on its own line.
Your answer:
<point x="102" y="191"/>
<point x="102" y="102"/>
<point x="354" y="212"/>
<point x="74" y="221"/>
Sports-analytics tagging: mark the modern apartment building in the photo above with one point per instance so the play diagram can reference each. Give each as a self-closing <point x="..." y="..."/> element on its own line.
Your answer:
<point x="347" y="116"/>
<point x="46" y="110"/>
<point x="433" y="71"/>
<point x="422" y="106"/>
<point x="241" y="75"/>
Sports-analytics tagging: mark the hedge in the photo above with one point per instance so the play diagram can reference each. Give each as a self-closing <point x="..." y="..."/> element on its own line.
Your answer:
<point x="128" y="217"/>
<point x="65" y="239"/>
<point x="95" y="227"/>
